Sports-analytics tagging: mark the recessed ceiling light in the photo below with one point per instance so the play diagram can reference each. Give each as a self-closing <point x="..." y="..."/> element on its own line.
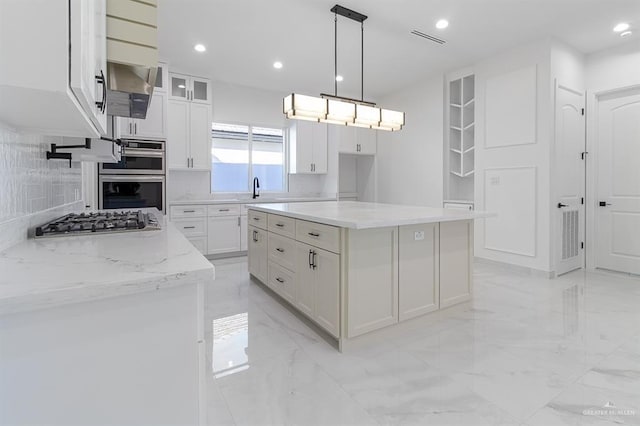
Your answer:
<point x="277" y="65"/>
<point x="622" y="26"/>
<point x="339" y="78"/>
<point x="442" y="24"/>
<point x="200" y="48"/>
<point x="625" y="33"/>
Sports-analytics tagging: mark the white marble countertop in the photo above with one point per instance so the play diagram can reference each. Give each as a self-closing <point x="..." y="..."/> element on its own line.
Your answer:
<point x="47" y="272"/>
<point x="359" y="215"/>
<point x="249" y="200"/>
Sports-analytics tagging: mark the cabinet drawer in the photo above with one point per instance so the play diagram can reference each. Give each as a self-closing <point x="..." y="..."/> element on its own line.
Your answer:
<point x="282" y="250"/>
<point x="258" y="219"/>
<point x="223" y="210"/>
<point x="319" y="235"/>
<point x="200" y="243"/>
<point x="282" y="225"/>
<point x="192" y="226"/>
<point x="188" y="211"/>
<point x="282" y="281"/>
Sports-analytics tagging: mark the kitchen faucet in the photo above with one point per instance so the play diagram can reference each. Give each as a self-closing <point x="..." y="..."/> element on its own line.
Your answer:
<point x="256" y="185"/>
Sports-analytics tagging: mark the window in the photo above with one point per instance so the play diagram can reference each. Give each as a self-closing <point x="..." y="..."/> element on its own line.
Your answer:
<point x="240" y="153"/>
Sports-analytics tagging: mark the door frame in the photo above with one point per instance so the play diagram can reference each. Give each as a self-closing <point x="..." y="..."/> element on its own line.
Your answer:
<point x="593" y="104"/>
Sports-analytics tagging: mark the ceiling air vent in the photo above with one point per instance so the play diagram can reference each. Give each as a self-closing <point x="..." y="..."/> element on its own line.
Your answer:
<point x="428" y="37"/>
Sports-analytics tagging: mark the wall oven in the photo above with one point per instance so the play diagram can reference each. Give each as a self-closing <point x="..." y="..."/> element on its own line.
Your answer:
<point x="137" y="181"/>
<point x="140" y="157"/>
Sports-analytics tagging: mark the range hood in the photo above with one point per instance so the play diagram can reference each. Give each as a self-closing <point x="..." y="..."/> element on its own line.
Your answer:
<point x="132" y="56"/>
<point x="129" y="89"/>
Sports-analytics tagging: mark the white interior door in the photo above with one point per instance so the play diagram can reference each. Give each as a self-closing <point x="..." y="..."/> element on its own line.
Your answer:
<point x="570" y="179"/>
<point x="618" y="181"/>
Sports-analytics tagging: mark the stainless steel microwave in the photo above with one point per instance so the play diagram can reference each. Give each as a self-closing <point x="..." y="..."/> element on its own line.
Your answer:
<point x="139" y="157"/>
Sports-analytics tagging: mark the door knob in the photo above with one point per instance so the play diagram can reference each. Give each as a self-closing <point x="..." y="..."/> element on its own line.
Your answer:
<point x="560" y="205"/>
<point x="603" y="204"/>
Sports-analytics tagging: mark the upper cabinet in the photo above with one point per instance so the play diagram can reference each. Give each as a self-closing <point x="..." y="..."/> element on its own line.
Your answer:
<point x="188" y="88"/>
<point x="52" y="81"/>
<point x="307" y="147"/>
<point x="189" y="123"/>
<point x="356" y="140"/>
<point x="154" y="126"/>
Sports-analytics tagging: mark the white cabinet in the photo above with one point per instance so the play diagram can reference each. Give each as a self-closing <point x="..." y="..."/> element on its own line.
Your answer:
<point x="307" y="148"/>
<point x="189" y="123"/>
<point x="258" y="263"/>
<point x="189" y="88"/>
<point x="154" y="126"/>
<point x="223" y="234"/>
<point x="456" y="262"/>
<point x="243" y="233"/>
<point x="192" y="222"/>
<point x="52" y="73"/>
<point x="317" y="286"/>
<point x="418" y="270"/>
<point x="356" y="140"/>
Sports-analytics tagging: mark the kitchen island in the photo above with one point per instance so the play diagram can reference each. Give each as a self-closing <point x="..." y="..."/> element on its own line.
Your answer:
<point x="103" y="329"/>
<point x="356" y="268"/>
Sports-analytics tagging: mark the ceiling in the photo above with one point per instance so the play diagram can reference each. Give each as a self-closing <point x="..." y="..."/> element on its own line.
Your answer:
<point x="244" y="38"/>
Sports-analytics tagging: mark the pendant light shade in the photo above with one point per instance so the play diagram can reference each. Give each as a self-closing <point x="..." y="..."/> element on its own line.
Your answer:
<point x="334" y="109"/>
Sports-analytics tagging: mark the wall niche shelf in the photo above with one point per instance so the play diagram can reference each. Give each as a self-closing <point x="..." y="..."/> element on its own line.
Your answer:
<point x="460" y="137"/>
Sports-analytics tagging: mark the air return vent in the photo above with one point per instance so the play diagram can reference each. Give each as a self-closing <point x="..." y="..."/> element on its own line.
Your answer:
<point x="428" y="37"/>
<point x="570" y="226"/>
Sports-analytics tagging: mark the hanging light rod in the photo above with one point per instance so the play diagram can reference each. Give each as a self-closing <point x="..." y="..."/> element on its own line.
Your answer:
<point x="334" y="109"/>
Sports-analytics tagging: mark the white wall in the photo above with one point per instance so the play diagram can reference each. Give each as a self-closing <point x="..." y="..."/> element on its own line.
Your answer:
<point x="614" y="68"/>
<point x="248" y="105"/>
<point x="512" y="175"/>
<point x="33" y="190"/>
<point x="409" y="162"/>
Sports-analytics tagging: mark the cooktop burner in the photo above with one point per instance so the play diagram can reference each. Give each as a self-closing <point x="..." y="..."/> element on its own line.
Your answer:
<point x="93" y="222"/>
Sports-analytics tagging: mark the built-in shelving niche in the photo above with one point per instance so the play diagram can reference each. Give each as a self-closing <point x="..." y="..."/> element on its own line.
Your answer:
<point x="460" y="139"/>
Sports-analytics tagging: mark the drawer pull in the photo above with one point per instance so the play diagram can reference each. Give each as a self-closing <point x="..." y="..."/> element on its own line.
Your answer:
<point x="256" y="218"/>
<point x="280" y="225"/>
<point x="280" y="280"/>
<point x="281" y="250"/>
<point x="188" y="211"/>
<point x="223" y="210"/>
<point x="188" y="227"/>
<point x="314" y="234"/>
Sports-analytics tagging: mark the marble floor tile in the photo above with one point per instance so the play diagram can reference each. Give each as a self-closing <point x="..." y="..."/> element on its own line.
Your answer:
<point x="529" y="351"/>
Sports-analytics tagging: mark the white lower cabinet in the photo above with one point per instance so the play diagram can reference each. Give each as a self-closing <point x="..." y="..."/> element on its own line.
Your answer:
<point x="318" y="286"/>
<point x="243" y="233"/>
<point x="258" y="263"/>
<point x="456" y="262"/>
<point x="223" y="234"/>
<point x="282" y="281"/>
<point x="418" y="270"/>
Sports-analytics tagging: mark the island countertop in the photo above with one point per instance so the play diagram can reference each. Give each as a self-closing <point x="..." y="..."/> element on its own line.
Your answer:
<point x="360" y="215"/>
<point x="47" y="272"/>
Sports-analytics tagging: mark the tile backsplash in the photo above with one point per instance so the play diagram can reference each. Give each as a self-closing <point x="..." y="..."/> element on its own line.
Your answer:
<point x="31" y="185"/>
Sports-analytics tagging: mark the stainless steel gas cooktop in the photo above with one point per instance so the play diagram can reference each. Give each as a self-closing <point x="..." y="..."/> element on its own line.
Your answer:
<point x="99" y="222"/>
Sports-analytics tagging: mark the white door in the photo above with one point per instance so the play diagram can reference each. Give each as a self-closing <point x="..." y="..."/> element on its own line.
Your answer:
<point x="366" y="141"/>
<point x="223" y="234"/>
<point x="200" y="136"/>
<point x="326" y="269"/>
<point x="570" y="179"/>
<point x="319" y="146"/>
<point x="618" y="182"/>
<point x="178" y="135"/>
<point x="258" y="253"/>
<point x="243" y="233"/>
<point x="305" y="279"/>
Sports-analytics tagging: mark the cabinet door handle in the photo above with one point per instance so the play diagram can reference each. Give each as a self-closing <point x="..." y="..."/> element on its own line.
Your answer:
<point x="102" y="105"/>
<point x="313" y="234"/>
<point x="255" y="236"/>
<point x="310" y="261"/>
<point x="280" y="225"/>
<point x="189" y="227"/>
<point x="280" y="249"/>
<point x="313" y="260"/>
<point x="135" y="128"/>
<point x="280" y="280"/>
<point x="188" y="211"/>
<point x="256" y="218"/>
<point x="223" y="210"/>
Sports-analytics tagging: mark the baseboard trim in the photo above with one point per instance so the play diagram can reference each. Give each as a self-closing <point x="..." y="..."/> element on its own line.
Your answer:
<point x="516" y="268"/>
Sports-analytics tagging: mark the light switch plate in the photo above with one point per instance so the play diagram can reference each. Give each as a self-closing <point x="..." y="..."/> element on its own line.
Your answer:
<point x="418" y="235"/>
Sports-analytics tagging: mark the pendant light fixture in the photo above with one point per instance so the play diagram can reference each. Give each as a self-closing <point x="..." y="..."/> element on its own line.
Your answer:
<point x="334" y="109"/>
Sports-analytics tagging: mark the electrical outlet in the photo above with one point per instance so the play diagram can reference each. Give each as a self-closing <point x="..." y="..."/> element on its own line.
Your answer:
<point x="418" y="235"/>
